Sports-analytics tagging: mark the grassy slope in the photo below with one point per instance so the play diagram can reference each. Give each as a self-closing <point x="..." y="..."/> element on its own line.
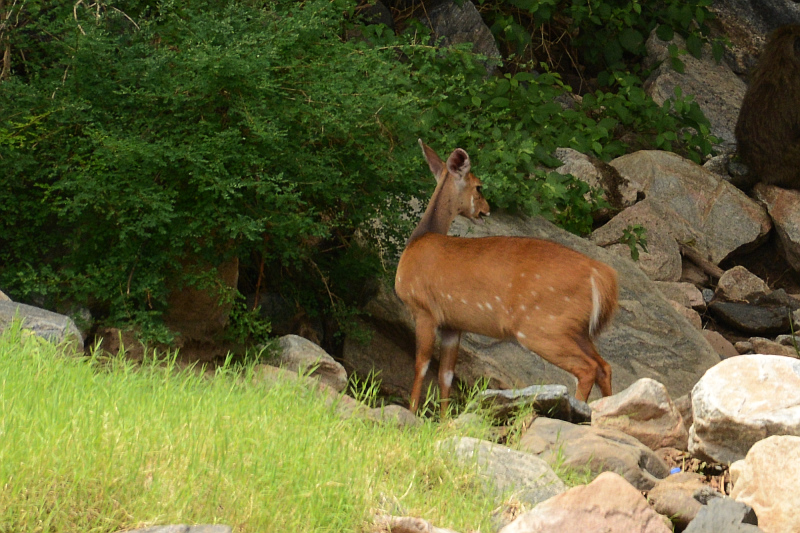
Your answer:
<point x="91" y="447"/>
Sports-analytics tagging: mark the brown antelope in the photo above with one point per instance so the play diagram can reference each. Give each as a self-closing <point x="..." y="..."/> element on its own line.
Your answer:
<point x="549" y="298"/>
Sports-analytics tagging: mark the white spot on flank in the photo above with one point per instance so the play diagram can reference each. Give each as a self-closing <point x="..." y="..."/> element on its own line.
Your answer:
<point x="448" y="378"/>
<point x="520" y="335"/>
<point x="480" y="307"/>
<point x="522" y="274"/>
<point x="534" y="294"/>
<point x="522" y="307"/>
<point x="463" y="301"/>
<point x="489" y="306"/>
<point x="551" y="317"/>
<point x="551" y="288"/>
<point x="527" y="318"/>
<point x="450" y="297"/>
<point x="566" y="298"/>
<point x="510" y="285"/>
<point x="537" y="308"/>
<point x="537" y="276"/>
<point x="498" y="298"/>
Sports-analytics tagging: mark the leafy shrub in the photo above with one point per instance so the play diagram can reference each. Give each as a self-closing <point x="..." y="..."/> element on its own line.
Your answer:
<point x="135" y="136"/>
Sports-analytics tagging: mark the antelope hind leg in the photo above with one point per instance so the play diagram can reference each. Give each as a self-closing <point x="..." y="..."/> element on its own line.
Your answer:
<point x="447" y="364"/>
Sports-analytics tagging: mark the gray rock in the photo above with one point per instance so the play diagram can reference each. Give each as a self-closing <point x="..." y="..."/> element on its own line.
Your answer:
<point x="552" y="401"/>
<point x="740" y="285"/>
<point x="599" y="450"/>
<point x="505" y="471"/>
<point x="724" y="514"/>
<point x="662" y="260"/>
<point x="616" y="190"/>
<point x="674" y="497"/>
<point x="461" y="23"/>
<point x="751" y="318"/>
<point x="741" y="401"/>
<point x="716" y="88"/>
<point x="699" y="206"/>
<point x="686" y="294"/>
<point x="770" y="347"/>
<point x="46" y="324"/>
<point x="783" y="206"/>
<point x="300" y="355"/>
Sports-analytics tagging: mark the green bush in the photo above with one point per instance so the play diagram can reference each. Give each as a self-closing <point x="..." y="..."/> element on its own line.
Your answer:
<point x="134" y="136"/>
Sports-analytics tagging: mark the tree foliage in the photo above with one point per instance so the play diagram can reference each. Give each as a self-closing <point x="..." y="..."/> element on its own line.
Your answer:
<point x="136" y="135"/>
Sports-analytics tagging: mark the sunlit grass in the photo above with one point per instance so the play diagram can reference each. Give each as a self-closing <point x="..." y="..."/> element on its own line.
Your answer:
<point x="95" y="446"/>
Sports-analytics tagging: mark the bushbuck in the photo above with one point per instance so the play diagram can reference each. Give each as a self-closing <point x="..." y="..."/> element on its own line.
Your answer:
<point x="549" y="298"/>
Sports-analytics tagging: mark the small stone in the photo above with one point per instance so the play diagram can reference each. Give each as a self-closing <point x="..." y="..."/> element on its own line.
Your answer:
<point x="740" y="285"/>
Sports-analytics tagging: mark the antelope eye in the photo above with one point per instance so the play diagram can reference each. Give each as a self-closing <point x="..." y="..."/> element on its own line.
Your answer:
<point x="479" y="188"/>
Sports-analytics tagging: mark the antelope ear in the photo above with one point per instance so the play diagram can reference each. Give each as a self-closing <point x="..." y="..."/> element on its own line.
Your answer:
<point x="458" y="163"/>
<point x="434" y="161"/>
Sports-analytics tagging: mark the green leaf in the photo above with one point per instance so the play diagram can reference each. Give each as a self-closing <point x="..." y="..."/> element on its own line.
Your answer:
<point x="500" y="102"/>
<point x="631" y="40"/>
<point x="665" y="32"/>
<point x="717" y="50"/>
<point x="694" y="45"/>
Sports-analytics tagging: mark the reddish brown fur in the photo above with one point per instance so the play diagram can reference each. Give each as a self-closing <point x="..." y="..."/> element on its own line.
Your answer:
<point x="768" y="128"/>
<point x="536" y="292"/>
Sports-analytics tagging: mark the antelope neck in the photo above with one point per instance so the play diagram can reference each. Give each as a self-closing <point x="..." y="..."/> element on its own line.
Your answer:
<point x="438" y="216"/>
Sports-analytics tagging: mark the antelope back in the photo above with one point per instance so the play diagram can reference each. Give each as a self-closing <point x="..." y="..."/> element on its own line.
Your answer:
<point x="506" y="287"/>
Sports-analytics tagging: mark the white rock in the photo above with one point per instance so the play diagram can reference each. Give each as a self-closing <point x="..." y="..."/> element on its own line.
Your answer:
<point x="741" y="401"/>
<point x="767" y="480"/>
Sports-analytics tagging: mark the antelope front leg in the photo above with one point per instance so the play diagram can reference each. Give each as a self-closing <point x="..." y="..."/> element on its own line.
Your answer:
<point x="426" y="337"/>
<point x="447" y="364"/>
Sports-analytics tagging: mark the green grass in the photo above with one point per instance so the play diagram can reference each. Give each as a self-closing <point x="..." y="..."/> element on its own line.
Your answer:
<point x="95" y="446"/>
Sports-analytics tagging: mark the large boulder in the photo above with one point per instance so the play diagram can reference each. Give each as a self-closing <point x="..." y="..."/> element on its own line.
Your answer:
<point x="609" y="503"/>
<point x="662" y="260"/>
<point x="767" y="480"/>
<point x="783" y="206"/>
<point x="54" y="327"/>
<point x="716" y="88"/>
<point x="459" y="23"/>
<point x="699" y="206"/>
<point x="741" y="401"/>
<point x="598" y="450"/>
<point x="647" y="337"/>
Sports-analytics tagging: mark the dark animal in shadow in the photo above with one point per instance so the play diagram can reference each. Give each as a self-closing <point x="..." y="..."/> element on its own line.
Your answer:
<point x="768" y="128"/>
